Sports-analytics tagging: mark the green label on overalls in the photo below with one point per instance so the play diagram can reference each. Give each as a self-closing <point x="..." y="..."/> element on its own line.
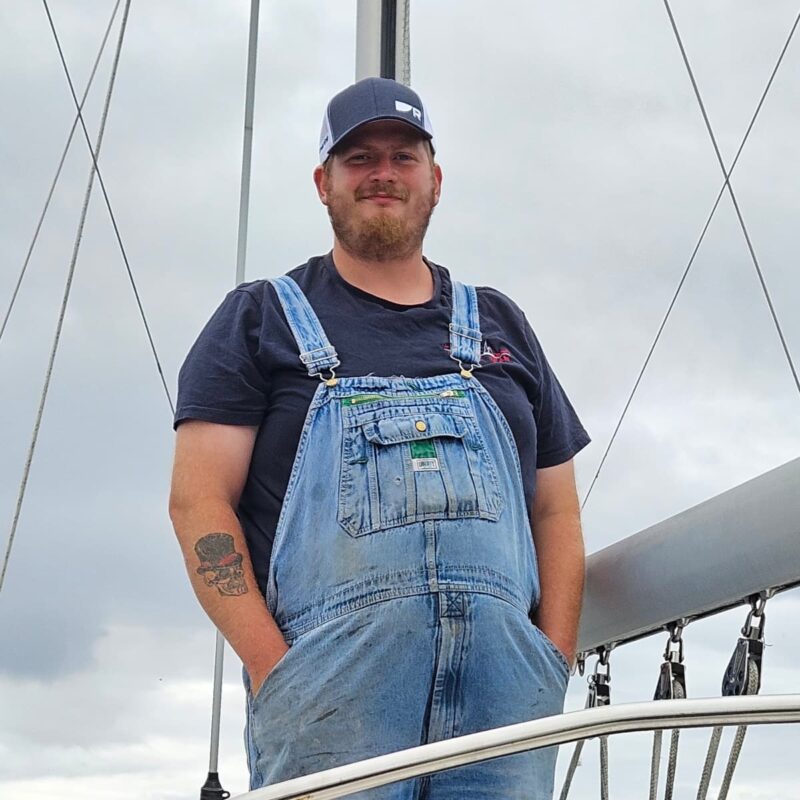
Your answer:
<point x="423" y="456"/>
<point x="423" y="448"/>
<point x="358" y="399"/>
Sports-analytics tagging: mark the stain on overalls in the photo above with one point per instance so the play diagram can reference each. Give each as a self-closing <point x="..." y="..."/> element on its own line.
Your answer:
<point x="402" y="576"/>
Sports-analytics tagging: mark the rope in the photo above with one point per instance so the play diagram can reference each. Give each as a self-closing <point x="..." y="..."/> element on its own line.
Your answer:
<point x="604" y="768"/>
<point x="738" y="741"/>
<point x="111" y="212"/>
<point x="736" y="747"/>
<point x="693" y="256"/>
<point x="596" y="697"/>
<point x="671" y="686"/>
<point x="67" y="289"/>
<point x="672" y="763"/>
<point x="655" y="764"/>
<point x="733" y="758"/>
<point x="735" y="202"/>
<point x="574" y="762"/>
<point x="573" y="765"/>
<point x="58" y="173"/>
<point x="708" y="766"/>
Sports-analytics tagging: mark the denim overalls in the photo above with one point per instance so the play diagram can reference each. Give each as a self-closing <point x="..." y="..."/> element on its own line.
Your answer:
<point x="402" y="577"/>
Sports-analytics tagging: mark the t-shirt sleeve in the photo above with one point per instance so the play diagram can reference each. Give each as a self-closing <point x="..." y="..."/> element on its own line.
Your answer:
<point x="559" y="431"/>
<point x="220" y="380"/>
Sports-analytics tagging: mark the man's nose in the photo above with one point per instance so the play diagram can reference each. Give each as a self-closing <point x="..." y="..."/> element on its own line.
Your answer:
<point x="383" y="169"/>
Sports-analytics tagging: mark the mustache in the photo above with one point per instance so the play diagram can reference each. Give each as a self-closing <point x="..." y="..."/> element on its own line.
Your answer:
<point x="384" y="190"/>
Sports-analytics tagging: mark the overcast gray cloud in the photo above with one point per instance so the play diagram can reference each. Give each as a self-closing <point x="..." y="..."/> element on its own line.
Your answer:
<point x="578" y="175"/>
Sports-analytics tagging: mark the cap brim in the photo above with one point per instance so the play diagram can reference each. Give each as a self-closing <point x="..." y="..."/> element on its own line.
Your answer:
<point x="341" y="141"/>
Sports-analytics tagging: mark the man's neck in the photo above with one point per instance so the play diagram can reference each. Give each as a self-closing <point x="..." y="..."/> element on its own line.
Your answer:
<point x="407" y="281"/>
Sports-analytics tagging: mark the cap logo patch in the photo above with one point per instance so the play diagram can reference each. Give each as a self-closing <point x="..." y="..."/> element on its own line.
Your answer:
<point x="405" y="108"/>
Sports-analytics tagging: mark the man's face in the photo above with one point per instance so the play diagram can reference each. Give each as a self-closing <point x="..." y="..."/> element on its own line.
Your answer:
<point x="380" y="189"/>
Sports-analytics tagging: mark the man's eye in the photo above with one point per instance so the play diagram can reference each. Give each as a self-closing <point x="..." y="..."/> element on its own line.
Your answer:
<point x="404" y="157"/>
<point x="358" y="157"/>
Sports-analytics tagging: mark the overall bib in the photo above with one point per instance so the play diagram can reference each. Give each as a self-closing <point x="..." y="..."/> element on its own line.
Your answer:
<point x="402" y="577"/>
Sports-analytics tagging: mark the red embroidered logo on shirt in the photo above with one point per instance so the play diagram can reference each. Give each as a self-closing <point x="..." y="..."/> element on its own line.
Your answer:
<point x="489" y="355"/>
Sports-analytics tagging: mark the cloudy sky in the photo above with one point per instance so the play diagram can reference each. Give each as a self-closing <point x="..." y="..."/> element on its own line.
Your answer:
<point x="578" y="175"/>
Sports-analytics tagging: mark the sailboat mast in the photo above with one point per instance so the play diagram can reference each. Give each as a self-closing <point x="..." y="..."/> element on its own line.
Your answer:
<point x="382" y="40"/>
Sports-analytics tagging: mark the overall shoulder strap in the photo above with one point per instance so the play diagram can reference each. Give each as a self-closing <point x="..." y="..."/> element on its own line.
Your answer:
<point x="465" y="327"/>
<point x="316" y="352"/>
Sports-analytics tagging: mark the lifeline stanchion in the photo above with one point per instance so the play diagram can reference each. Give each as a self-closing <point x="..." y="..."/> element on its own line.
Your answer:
<point x="671" y="686"/>
<point x="599" y="696"/>
<point x="742" y="677"/>
<point x="211" y="789"/>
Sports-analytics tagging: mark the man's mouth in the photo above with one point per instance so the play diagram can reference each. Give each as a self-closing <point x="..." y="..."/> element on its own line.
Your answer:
<point x="383" y="199"/>
<point x="382" y="196"/>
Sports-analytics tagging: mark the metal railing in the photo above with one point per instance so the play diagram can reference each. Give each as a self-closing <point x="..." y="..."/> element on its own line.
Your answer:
<point x="561" y="729"/>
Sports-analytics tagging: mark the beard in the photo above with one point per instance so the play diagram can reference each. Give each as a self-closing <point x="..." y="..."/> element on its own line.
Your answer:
<point x="384" y="236"/>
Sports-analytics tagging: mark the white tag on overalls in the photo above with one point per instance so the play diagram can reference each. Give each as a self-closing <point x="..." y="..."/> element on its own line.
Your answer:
<point x="425" y="464"/>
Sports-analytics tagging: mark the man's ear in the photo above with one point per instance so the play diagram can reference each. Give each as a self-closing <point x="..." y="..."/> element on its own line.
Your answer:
<point x="321" y="182"/>
<point x="437" y="176"/>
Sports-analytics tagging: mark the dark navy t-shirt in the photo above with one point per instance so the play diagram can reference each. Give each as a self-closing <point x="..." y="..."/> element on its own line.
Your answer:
<point x="244" y="369"/>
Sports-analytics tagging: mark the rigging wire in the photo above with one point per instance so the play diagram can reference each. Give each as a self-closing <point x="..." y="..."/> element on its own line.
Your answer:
<point x="690" y="263"/>
<point x="58" y="172"/>
<point x="68" y="286"/>
<point x="110" y="211"/>
<point x="733" y="197"/>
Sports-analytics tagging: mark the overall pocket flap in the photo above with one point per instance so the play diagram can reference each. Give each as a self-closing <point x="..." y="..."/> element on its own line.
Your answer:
<point x="423" y="425"/>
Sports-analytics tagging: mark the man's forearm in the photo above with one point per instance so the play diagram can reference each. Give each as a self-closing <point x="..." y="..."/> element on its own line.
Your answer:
<point x="560" y="553"/>
<point x="221" y="572"/>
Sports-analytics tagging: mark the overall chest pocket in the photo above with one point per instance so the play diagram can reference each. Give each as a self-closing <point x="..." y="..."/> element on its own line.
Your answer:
<point x="412" y="466"/>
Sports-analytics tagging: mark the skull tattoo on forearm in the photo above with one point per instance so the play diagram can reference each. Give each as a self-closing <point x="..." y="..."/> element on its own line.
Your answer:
<point x="220" y="564"/>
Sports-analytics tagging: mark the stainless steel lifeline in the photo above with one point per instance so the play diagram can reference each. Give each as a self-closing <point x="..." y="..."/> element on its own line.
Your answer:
<point x="664" y="714"/>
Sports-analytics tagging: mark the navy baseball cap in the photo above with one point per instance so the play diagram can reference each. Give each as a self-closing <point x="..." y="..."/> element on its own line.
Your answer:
<point x="366" y="101"/>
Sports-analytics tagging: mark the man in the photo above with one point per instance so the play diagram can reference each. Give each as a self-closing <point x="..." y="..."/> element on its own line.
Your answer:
<point x="367" y="452"/>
